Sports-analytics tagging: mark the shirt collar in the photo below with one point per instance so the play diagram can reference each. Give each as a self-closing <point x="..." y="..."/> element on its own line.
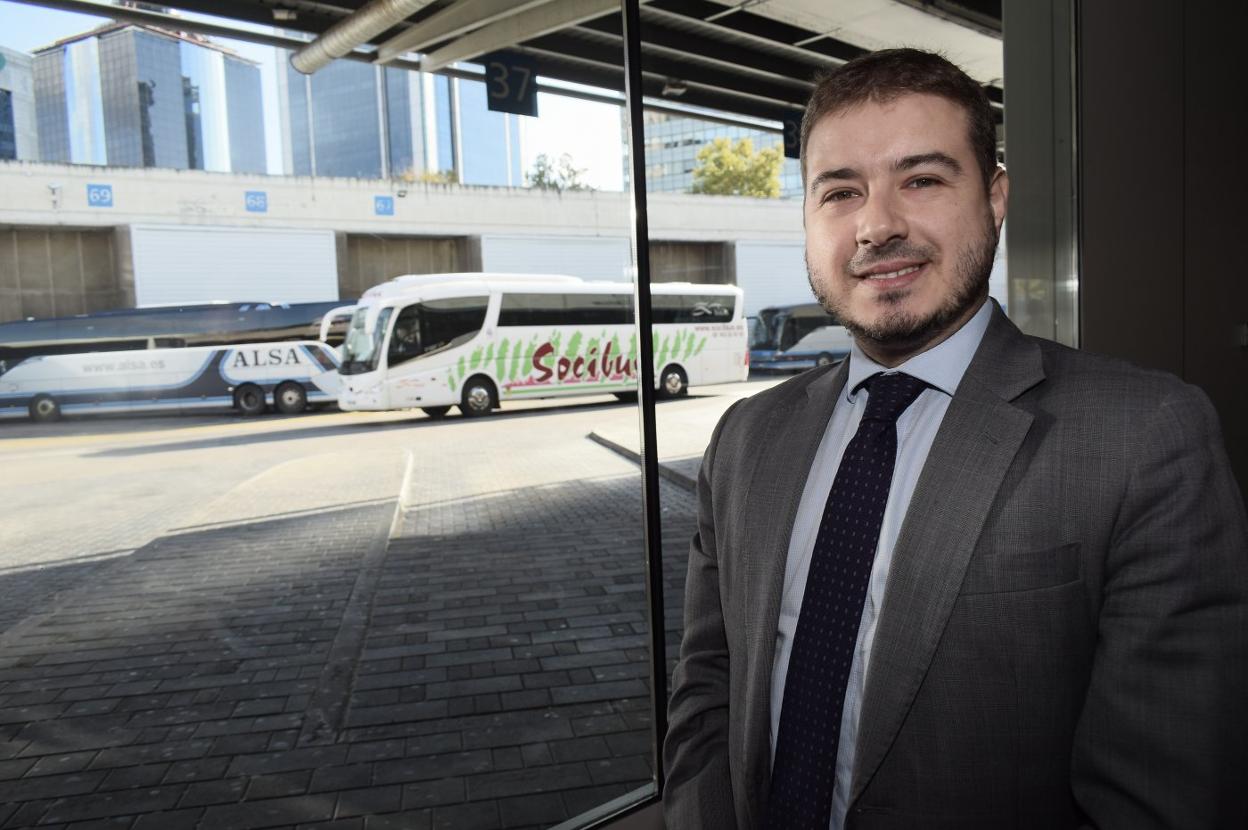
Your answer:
<point x="941" y="366"/>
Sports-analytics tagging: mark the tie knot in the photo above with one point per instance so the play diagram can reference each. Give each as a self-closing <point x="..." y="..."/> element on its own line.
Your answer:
<point x="889" y="395"/>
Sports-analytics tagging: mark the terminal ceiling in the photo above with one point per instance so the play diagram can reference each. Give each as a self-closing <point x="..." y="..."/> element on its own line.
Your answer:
<point x="743" y="57"/>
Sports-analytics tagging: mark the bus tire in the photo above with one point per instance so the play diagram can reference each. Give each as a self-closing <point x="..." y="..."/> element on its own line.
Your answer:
<point x="824" y="359"/>
<point x="290" y="398"/>
<point x="249" y="400"/>
<point x="478" y="398"/>
<point x="435" y="412"/>
<point x="45" y="409"/>
<point x="673" y="382"/>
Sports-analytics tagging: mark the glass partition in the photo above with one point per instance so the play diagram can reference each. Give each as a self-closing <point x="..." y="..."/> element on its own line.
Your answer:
<point x="412" y="573"/>
<point x="253" y="578"/>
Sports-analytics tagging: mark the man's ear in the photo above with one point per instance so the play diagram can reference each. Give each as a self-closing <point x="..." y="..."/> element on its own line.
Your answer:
<point x="999" y="195"/>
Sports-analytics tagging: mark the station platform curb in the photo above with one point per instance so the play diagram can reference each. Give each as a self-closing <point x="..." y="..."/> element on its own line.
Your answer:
<point x="681" y="471"/>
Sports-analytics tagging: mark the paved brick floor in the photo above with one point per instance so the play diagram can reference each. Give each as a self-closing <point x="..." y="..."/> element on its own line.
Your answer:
<point x="486" y="668"/>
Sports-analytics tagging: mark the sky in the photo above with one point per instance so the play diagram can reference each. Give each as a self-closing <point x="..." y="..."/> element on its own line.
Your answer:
<point x="590" y="133"/>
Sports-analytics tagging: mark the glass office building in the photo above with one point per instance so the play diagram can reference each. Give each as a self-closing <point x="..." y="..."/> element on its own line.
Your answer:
<point x="355" y="120"/>
<point x="481" y="145"/>
<point x="673" y="142"/>
<point x="349" y="119"/>
<point x="138" y="96"/>
<point x="19" y="138"/>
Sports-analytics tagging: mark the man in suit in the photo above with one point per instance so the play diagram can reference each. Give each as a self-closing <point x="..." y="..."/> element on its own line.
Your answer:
<point x="967" y="578"/>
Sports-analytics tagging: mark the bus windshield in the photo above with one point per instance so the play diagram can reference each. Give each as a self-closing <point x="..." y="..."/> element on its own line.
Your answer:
<point x="762" y="334"/>
<point x="362" y="348"/>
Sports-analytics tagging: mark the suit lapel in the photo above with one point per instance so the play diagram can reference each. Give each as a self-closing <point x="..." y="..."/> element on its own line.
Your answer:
<point x="787" y="451"/>
<point x="977" y="441"/>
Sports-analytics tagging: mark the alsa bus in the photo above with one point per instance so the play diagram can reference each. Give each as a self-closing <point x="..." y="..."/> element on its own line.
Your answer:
<point x="477" y="340"/>
<point x="166" y="327"/>
<point x="246" y="376"/>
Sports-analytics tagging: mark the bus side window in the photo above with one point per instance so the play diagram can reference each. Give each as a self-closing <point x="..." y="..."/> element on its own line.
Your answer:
<point x="667" y="308"/>
<point x="447" y="323"/>
<point x="405" y="343"/>
<point x="533" y="310"/>
<point x="599" y="309"/>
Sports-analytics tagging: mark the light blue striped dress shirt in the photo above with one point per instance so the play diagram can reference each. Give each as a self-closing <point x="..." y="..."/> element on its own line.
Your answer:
<point x="942" y="367"/>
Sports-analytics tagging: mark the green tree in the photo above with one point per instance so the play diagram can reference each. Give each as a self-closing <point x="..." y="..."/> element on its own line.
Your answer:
<point x="438" y="177"/>
<point x="727" y="169"/>
<point x="556" y="174"/>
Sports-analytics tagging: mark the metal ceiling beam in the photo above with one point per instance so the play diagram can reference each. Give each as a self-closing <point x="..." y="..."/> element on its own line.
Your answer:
<point x="450" y="22"/>
<point x="716" y="50"/>
<point x="683" y="23"/>
<point x="683" y="68"/>
<point x="165" y="21"/>
<point x="510" y="31"/>
<point x="361" y="27"/>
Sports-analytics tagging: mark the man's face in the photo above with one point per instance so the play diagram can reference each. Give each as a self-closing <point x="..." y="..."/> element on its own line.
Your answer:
<point x="900" y="233"/>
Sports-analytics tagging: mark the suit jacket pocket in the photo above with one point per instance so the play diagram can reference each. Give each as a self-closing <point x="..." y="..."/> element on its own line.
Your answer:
<point x="999" y="571"/>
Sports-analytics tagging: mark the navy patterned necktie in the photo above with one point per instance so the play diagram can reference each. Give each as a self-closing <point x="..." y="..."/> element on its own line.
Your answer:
<point x="804" y="771"/>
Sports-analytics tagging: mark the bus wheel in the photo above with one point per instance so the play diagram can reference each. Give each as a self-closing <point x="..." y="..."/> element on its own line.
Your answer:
<point x="436" y="412"/>
<point x="824" y="359"/>
<point x="249" y="399"/>
<point x="290" y="398"/>
<point x="478" y="399"/>
<point x="673" y="383"/>
<point x="44" y="408"/>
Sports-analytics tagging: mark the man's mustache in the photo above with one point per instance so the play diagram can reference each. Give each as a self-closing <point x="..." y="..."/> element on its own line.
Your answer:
<point x="869" y="256"/>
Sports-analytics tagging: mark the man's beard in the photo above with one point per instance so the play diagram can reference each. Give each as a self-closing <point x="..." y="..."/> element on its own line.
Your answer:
<point x="897" y="329"/>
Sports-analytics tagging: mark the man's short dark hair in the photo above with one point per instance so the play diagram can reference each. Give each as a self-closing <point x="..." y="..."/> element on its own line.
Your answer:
<point x="890" y="73"/>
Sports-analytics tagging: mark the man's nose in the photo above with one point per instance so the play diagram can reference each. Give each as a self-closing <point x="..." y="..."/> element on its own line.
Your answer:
<point x="880" y="220"/>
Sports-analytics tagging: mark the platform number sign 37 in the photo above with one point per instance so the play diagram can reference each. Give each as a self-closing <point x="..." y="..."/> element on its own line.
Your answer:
<point x="793" y="134"/>
<point x="511" y="83"/>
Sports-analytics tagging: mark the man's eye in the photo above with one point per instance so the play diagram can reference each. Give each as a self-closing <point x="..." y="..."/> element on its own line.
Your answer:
<point x="838" y="195"/>
<point x="924" y="181"/>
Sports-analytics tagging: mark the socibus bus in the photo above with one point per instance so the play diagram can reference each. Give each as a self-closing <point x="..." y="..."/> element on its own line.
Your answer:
<point x="476" y="340"/>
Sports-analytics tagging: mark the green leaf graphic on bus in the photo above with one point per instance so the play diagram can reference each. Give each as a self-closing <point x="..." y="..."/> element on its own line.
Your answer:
<point x="501" y="369"/>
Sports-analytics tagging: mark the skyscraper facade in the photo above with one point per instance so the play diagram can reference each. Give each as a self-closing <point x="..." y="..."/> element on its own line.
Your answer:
<point x="349" y="119"/>
<point x="482" y="146"/>
<point x="139" y="96"/>
<point x="356" y="120"/>
<point x="19" y="137"/>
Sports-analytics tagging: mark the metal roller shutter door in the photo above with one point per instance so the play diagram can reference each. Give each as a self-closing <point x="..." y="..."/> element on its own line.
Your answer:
<point x="772" y="273"/>
<point x="589" y="257"/>
<point x="185" y="264"/>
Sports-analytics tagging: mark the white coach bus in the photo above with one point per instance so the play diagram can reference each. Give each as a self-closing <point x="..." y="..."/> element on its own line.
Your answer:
<point x="476" y="340"/>
<point x="245" y="376"/>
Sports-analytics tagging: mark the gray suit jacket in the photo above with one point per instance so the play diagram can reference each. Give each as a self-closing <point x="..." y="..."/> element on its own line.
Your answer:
<point x="1064" y="637"/>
